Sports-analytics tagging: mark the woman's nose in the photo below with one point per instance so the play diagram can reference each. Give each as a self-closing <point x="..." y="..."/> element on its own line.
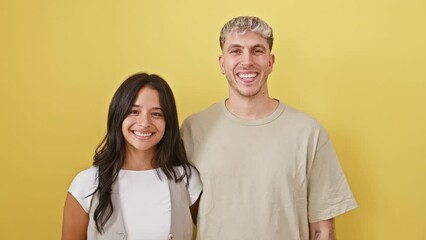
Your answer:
<point x="143" y="120"/>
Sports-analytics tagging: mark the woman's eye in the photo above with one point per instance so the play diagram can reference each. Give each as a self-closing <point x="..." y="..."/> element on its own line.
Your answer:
<point x="134" y="112"/>
<point x="157" y="114"/>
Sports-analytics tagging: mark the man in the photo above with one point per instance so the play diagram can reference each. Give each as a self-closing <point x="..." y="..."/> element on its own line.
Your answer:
<point x="268" y="170"/>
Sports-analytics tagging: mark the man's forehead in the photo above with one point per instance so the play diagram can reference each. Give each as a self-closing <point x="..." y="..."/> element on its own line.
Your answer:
<point x="246" y="38"/>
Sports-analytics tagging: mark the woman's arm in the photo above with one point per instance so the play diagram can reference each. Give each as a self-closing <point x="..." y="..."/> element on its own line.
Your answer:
<point x="322" y="230"/>
<point x="194" y="210"/>
<point x="75" y="221"/>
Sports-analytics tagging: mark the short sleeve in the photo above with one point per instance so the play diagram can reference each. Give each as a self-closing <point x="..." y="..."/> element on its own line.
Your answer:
<point x="83" y="185"/>
<point x="329" y="194"/>
<point x="195" y="186"/>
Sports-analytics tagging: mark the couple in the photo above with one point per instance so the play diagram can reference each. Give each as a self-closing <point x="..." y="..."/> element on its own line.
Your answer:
<point x="265" y="169"/>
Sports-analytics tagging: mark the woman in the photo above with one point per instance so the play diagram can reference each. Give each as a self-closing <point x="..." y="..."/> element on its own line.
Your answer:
<point x="141" y="186"/>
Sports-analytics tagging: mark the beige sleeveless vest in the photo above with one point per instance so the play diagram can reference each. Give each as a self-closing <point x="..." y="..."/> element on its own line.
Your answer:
<point x="181" y="221"/>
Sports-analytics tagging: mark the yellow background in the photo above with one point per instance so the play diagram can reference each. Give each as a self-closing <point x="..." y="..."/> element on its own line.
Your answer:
<point x="357" y="66"/>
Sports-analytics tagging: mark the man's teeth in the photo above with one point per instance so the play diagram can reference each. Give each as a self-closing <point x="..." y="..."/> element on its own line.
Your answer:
<point x="142" y="134"/>
<point x="247" y="75"/>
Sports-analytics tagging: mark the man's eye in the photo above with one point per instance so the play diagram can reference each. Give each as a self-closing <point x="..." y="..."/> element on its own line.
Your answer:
<point x="235" y="51"/>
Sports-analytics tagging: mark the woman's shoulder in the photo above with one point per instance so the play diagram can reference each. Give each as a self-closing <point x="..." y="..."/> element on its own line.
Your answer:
<point x="181" y="168"/>
<point x="195" y="185"/>
<point x="189" y="168"/>
<point x="83" y="185"/>
<point x="87" y="174"/>
<point x="85" y="181"/>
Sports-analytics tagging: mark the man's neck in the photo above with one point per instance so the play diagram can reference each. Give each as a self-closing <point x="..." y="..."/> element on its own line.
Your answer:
<point x="251" y="108"/>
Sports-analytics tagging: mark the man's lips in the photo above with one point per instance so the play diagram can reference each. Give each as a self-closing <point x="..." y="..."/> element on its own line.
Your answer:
<point x="247" y="77"/>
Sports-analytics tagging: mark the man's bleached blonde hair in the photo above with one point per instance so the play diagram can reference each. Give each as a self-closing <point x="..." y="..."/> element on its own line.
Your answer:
<point x="242" y="24"/>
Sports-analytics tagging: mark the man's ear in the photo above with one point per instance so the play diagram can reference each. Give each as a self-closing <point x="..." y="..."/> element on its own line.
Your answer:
<point x="222" y="69"/>
<point x="271" y="62"/>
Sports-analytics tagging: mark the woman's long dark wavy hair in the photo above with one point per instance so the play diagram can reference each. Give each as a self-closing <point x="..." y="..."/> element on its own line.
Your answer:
<point x="111" y="152"/>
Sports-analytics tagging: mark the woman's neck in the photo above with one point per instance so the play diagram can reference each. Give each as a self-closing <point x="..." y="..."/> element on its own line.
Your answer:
<point x="139" y="161"/>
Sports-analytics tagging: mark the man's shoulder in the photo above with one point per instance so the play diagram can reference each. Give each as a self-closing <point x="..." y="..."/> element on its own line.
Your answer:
<point x="208" y="112"/>
<point x="297" y="113"/>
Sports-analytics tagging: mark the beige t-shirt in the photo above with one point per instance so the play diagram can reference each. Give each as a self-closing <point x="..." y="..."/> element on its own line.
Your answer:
<point x="264" y="179"/>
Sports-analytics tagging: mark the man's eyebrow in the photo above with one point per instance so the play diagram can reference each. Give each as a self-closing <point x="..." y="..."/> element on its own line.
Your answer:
<point x="240" y="46"/>
<point x="259" y="46"/>
<point x="234" y="46"/>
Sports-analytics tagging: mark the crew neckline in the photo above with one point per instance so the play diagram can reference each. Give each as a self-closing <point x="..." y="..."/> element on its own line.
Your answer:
<point x="254" y="122"/>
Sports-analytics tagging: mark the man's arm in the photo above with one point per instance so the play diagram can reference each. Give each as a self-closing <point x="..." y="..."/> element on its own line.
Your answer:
<point x="322" y="230"/>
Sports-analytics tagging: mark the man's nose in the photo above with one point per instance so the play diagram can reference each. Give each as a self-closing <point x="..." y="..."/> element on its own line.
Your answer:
<point x="247" y="59"/>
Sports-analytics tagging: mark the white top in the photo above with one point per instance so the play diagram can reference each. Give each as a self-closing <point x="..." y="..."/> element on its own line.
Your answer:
<point x="153" y="213"/>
